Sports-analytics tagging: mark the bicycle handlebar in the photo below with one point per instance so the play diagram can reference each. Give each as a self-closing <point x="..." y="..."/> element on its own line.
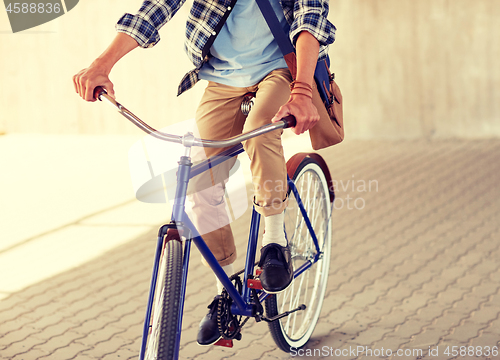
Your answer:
<point x="188" y="139"/>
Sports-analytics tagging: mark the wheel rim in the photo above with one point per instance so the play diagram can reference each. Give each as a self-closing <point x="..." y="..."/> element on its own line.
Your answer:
<point x="310" y="286"/>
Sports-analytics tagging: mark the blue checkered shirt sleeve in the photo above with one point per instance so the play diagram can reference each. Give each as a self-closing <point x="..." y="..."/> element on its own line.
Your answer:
<point x="144" y="26"/>
<point x="311" y="16"/>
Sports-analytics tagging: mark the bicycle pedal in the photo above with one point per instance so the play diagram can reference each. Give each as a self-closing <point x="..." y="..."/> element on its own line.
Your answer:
<point x="225" y="343"/>
<point x="254" y="284"/>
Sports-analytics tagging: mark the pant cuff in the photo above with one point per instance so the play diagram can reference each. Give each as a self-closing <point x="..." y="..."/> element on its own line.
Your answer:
<point x="272" y="209"/>
<point x="227" y="261"/>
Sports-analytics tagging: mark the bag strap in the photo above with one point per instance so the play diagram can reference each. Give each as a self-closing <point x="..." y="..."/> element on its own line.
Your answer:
<point x="279" y="34"/>
<point x="282" y="39"/>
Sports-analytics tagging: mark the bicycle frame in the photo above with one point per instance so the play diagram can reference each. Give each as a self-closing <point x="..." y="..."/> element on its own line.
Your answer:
<point x="242" y="303"/>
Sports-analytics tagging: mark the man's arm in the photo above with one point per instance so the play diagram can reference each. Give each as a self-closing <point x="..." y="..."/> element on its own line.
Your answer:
<point x="97" y="74"/>
<point x="307" y="49"/>
<point x="300" y="103"/>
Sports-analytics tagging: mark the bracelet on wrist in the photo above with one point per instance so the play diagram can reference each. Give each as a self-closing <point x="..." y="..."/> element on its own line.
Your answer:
<point x="297" y="92"/>
<point x="300" y="84"/>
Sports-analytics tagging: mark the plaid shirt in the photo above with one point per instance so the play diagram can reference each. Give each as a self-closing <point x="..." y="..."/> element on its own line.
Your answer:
<point x="207" y="17"/>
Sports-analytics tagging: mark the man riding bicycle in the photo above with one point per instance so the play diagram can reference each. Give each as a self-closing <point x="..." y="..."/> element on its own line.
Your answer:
<point x="233" y="49"/>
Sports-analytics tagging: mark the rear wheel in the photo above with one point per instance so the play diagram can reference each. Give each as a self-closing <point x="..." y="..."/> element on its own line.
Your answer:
<point x="162" y="337"/>
<point x="294" y="330"/>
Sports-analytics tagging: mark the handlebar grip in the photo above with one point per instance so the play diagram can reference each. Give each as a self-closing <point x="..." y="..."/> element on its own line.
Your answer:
<point x="98" y="91"/>
<point x="289" y="121"/>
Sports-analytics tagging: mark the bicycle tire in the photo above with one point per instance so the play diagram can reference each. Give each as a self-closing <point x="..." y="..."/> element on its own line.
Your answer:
<point x="162" y="338"/>
<point x="312" y="186"/>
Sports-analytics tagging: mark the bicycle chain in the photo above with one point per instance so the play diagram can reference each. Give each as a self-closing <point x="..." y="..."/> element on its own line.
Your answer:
<point x="224" y="307"/>
<point x="228" y="324"/>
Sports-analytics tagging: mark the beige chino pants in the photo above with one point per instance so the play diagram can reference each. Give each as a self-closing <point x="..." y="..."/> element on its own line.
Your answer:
<point x="218" y="117"/>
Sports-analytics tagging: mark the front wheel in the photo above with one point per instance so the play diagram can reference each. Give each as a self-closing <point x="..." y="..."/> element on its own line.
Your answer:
<point x="162" y="339"/>
<point x="309" y="287"/>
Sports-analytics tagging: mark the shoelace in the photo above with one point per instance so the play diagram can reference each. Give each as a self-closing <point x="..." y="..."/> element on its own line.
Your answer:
<point x="273" y="256"/>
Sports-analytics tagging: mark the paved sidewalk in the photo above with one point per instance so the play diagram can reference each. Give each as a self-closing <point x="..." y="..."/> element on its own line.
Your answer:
<point x="415" y="266"/>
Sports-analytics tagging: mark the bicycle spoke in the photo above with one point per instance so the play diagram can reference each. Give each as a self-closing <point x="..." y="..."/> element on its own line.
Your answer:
<point x="284" y="299"/>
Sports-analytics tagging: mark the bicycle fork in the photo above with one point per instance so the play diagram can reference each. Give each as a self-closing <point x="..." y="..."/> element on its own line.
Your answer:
<point x="178" y="212"/>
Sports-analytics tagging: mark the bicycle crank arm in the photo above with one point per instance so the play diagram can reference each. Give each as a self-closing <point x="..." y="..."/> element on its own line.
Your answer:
<point x="286" y="313"/>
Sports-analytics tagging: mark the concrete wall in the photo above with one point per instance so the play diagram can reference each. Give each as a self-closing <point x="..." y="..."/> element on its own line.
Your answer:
<point x="413" y="68"/>
<point x="407" y="69"/>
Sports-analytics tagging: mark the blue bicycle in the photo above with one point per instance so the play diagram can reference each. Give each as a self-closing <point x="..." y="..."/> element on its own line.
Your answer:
<point x="292" y="314"/>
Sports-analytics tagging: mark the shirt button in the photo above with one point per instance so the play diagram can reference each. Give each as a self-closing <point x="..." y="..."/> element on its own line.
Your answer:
<point x="229" y="8"/>
<point x="214" y="33"/>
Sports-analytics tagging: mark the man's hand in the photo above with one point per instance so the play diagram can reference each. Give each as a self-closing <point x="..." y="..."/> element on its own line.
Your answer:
<point x="97" y="74"/>
<point x="302" y="107"/>
<point x="88" y="79"/>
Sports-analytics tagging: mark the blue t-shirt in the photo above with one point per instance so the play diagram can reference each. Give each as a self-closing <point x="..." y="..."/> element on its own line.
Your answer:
<point x="245" y="50"/>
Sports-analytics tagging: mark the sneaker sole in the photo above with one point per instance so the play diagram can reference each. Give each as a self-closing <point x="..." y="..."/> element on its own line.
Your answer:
<point x="278" y="292"/>
<point x="220" y="337"/>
